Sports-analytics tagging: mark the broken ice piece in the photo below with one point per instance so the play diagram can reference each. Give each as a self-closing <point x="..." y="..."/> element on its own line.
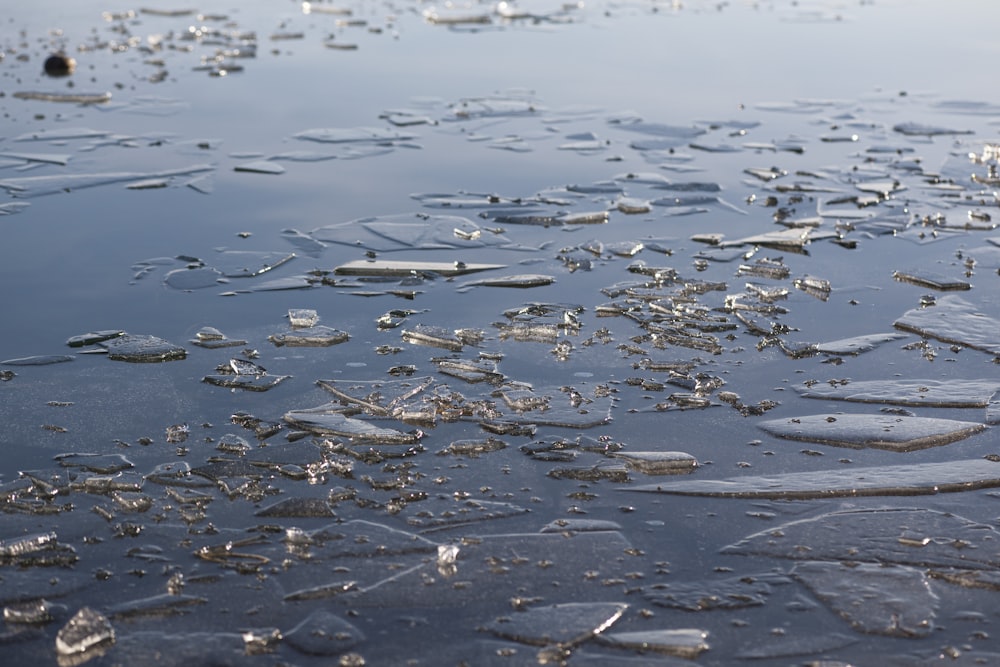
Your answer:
<point x="93" y="337"/>
<point x="521" y="281"/>
<point x="316" y="336"/>
<point x="406" y="268"/>
<point x="29" y="544"/>
<point x="893" y="432"/>
<point x="899" y="480"/>
<point x="659" y="463"/>
<point x="138" y="348"/>
<point x="685" y="643"/>
<point x="33" y="612"/>
<point x="816" y="287"/>
<point x="964" y="393"/>
<point x="301" y="318"/>
<point x="891" y="600"/>
<point x="213" y="339"/>
<point x="262" y="640"/>
<point x="177" y="433"/>
<point x="87" y="630"/>
<point x="931" y="280"/>
<point x="953" y="320"/>
<point x="565" y="624"/>
<point x="433" y="336"/>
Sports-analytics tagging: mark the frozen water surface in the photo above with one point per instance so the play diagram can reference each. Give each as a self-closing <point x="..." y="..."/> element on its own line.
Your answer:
<point x="376" y="456"/>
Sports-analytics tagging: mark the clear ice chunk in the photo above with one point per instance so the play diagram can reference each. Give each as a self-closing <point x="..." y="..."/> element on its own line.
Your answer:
<point x="325" y="634"/>
<point x="891" y="600"/>
<point x="893" y="432"/>
<point x="905" y="536"/>
<point x="658" y="463"/>
<point x="686" y="643"/>
<point x="566" y="624"/>
<point x="323" y="422"/>
<point x="954" y="320"/>
<point x="138" y="348"/>
<point x="87" y="630"/>
<point x="965" y="393"/>
<point x="898" y="480"/>
<point x="316" y="336"/>
<point x="302" y="318"/>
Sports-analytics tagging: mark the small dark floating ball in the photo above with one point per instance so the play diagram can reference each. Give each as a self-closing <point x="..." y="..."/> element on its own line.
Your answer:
<point x="59" y="64"/>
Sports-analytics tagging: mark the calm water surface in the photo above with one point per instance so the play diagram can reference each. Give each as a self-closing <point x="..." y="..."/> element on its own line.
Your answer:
<point x="753" y="254"/>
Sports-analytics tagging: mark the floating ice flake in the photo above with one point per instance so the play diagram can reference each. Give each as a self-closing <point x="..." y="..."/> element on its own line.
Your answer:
<point x="520" y="281"/>
<point x="658" y="463"/>
<point x="323" y="633"/>
<point x="954" y="320"/>
<point x="317" y="336"/>
<point x="38" y="360"/>
<point x="87" y="630"/>
<point x="411" y="232"/>
<point x="931" y="280"/>
<point x="730" y="593"/>
<point x="919" y="129"/>
<point x="35" y="186"/>
<point x="893" y="432"/>
<point x="888" y="600"/>
<point x="260" y="167"/>
<point x="324" y="422"/>
<point x="684" y="643"/>
<point x="904" y="536"/>
<point x="142" y="349"/>
<point x="566" y="624"/>
<point x="405" y="268"/>
<point x="355" y="135"/>
<point x="857" y="344"/>
<point x="896" y="480"/>
<point x="194" y="277"/>
<point x="969" y="393"/>
<point x="213" y="339"/>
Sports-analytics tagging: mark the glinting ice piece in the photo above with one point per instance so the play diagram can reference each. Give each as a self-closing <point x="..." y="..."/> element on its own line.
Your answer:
<point x="88" y="629"/>
<point x="897" y="433"/>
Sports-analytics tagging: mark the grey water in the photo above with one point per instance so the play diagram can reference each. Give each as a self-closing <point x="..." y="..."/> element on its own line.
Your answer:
<point x="499" y="333"/>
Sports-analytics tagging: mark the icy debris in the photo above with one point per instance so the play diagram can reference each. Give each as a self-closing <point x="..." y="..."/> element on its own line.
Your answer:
<point x="142" y="349"/>
<point x="322" y="421"/>
<point x="893" y="432"/>
<point x="658" y="463"/>
<point x="302" y="318"/>
<point x="379" y="398"/>
<point x="177" y="433"/>
<point x="954" y="320"/>
<point x="897" y="480"/>
<point x="965" y="393"/>
<point x="311" y="508"/>
<point x="432" y="336"/>
<point x="730" y="593"/>
<point x="87" y="630"/>
<point x="390" y="268"/>
<point x="22" y="546"/>
<point x="260" y="167"/>
<point x="39" y="360"/>
<point x="102" y="464"/>
<point x="212" y="339"/>
<point x="932" y="280"/>
<point x="891" y="600"/>
<point x="93" y="337"/>
<point x="579" y="525"/>
<point x="685" y="643"/>
<point x="243" y="374"/>
<point x="857" y="344"/>
<point x="325" y="634"/>
<point x="813" y="286"/>
<point x="522" y="281"/>
<point x="566" y="624"/>
<point x="919" y="129"/>
<point x="31" y="612"/>
<point x="473" y="448"/>
<point x="355" y="135"/>
<point x="904" y="536"/>
<point x="164" y="604"/>
<point x="316" y="336"/>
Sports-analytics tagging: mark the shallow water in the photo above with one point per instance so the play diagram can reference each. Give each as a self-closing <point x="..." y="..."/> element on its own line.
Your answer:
<point x="393" y="334"/>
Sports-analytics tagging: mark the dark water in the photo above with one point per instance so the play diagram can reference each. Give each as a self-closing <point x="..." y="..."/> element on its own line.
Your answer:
<point x="723" y="395"/>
